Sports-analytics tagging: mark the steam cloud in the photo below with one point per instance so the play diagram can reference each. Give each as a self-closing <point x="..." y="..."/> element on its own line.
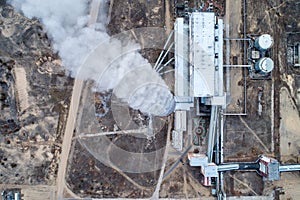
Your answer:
<point x="92" y="54"/>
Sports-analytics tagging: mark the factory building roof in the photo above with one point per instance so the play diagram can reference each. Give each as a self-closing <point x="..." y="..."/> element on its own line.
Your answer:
<point x="269" y="168"/>
<point x="211" y="170"/>
<point x="196" y="159"/>
<point x="181" y="58"/>
<point x="199" y="59"/>
<point x="202" y="41"/>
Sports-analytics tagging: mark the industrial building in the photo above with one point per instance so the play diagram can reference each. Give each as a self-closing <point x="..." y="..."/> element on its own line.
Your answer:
<point x="199" y="58"/>
<point x="199" y="85"/>
<point x="198" y="67"/>
<point x="296" y="50"/>
<point x="259" y="51"/>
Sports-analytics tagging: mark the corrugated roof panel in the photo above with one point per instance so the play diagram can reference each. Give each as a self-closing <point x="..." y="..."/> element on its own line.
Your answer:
<point x="203" y="58"/>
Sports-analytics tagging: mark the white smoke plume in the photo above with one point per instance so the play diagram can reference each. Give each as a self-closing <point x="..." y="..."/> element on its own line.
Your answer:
<point x="66" y="23"/>
<point x="92" y="54"/>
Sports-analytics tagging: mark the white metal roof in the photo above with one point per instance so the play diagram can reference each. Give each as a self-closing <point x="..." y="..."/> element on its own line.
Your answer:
<point x="202" y="39"/>
<point x="198" y="71"/>
<point x="197" y="160"/>
<point x="180" y="121"/>
<point x="177" y="140"/>
<point x="211" y="170"/>
<point x="219" y="49"/>
<point x="181" y="58"/>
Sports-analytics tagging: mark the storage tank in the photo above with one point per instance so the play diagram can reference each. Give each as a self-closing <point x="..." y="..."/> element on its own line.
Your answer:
<point x="264" y="65"/>
<point x="264" y="42"/>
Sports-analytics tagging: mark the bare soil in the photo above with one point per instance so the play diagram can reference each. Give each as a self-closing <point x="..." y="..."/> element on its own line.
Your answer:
<point x="278" y="19"/>
<point x="32" y="110"/>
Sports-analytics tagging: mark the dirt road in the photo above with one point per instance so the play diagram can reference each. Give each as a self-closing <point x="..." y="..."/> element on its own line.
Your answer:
<point x="67" y="140"/>
<point x="75" y="100"/>
<point x="160" y="179"/>
<point x="168" y="20"/>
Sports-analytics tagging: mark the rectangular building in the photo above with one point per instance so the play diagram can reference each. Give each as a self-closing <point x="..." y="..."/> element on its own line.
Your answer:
<point x="181" y="58"/>
<point x="202" y="53"/>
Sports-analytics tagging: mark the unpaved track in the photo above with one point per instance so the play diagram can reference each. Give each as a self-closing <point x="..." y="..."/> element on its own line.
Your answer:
<point x="162" y="170"/>
<point x="168" y="17"/>
<point x="67" y="140"/>
<point x="242" y="183"/>
<point x="70" y="126"/>
<point x="254" y="134"/>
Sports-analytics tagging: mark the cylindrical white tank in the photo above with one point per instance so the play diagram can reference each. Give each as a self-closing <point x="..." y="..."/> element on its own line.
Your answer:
<point x="264" y="65"/>
<point x="264" y="42"/>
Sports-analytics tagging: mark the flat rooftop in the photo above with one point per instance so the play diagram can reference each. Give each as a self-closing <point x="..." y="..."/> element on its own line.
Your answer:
<point x="202" y="51"/>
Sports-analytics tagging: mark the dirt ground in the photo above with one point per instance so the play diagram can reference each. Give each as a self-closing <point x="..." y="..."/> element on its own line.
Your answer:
<point x="112" y="115"/>
<point x="34" y="137"/>
<point x="84" y="179"/>
<point x="290" y="184"/>
<point x="34" y="98"/>
<point x="289" y="129"/>
<point x="102" y="112"/>
<point x="246" y="137"/>
<point x="243" y="183"/>
<point x="183" y="182"/>
<point x="279" y="18"/>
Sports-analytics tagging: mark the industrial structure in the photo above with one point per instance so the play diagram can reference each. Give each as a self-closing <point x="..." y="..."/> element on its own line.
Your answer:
<point x="268" y="168"/>
<point x="264" y="42"/>
<point x="264" y="65"/>
<point x="199" y="91"/>
<point x="297" y="55"/>
<point x="294" y="53"/>
<point x="198" y="67"/>
<point x="259" y="52"/>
